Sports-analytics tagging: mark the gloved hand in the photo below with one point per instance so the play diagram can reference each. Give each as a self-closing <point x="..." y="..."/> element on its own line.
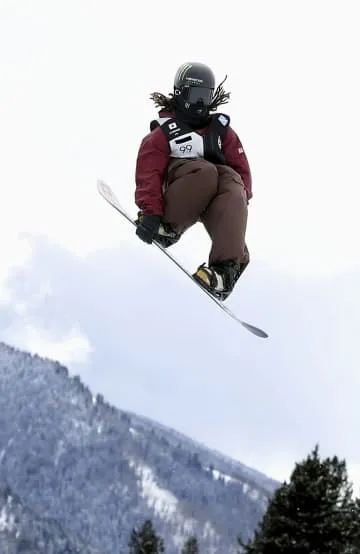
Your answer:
<point x="148" y="227"/>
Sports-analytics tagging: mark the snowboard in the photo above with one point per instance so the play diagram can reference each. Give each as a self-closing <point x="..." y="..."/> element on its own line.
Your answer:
<point x="108" y="194"/>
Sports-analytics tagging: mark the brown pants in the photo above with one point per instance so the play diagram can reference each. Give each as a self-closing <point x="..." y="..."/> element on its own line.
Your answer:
<point x="198" y="190"/>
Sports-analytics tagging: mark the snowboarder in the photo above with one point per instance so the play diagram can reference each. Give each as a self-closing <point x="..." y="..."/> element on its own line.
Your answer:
<point x="192" y="167"/>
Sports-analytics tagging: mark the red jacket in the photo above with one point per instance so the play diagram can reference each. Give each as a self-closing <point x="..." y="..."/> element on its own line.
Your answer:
<point x="152" y="162"/>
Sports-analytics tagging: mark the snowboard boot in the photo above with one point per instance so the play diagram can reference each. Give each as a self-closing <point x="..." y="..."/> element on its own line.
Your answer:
<point x="219" y="278"/>
<point x="166" y="236"/>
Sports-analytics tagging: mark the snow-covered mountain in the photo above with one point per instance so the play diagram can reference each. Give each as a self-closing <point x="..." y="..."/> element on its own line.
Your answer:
<point x="23" y="531"/>
<point x="97" y="471"/>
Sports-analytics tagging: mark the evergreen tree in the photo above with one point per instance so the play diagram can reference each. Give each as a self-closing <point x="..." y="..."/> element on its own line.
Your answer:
<point x="190" y="546"/>
<point x="313" y="514"/>
<point x="145" y="540"/>
<point x="353" y="516"/>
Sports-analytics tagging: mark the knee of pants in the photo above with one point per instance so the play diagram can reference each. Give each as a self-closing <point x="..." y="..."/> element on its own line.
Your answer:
<point x="209" y="169"/>
<point x="206" y="174"/>
<point x="234" y="187"/>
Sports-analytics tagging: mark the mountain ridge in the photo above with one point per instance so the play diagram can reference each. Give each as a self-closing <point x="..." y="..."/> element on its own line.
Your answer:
<point x="269" y="484"/>
<point x="100" y="471"/>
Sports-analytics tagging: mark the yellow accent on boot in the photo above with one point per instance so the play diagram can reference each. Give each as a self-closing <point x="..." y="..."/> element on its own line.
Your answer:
<point x="203" y="276"/>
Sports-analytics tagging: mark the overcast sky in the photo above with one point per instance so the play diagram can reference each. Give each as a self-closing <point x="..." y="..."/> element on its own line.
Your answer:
<point x="78" y="286"/>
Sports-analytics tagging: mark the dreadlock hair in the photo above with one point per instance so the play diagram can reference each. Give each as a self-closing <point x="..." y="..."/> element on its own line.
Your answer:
<point x="167" y="102"/>
<point x="220" y="96"/>
<point x="162" y="101"/>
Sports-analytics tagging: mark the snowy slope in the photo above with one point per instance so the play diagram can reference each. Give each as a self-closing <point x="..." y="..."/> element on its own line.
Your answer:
<point x="100" y="471"/>
<point x="237" y="470"/>
<point x="21" y="530"/>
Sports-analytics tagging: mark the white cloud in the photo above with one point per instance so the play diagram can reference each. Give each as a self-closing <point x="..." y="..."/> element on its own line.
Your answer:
<point x="72" y="347"/>
<point x="16" y="252"/>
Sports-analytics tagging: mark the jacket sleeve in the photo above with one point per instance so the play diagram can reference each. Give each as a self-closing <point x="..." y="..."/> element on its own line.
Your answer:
<point x="151" y="165"/>
<point x="236" y="158"/>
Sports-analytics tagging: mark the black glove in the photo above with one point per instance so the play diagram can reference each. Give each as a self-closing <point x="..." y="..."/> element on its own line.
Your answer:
<point x="148" y="227"/>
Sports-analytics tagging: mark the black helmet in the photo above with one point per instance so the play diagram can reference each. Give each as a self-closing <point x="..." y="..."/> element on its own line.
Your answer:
<point x="194" y="87"/>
